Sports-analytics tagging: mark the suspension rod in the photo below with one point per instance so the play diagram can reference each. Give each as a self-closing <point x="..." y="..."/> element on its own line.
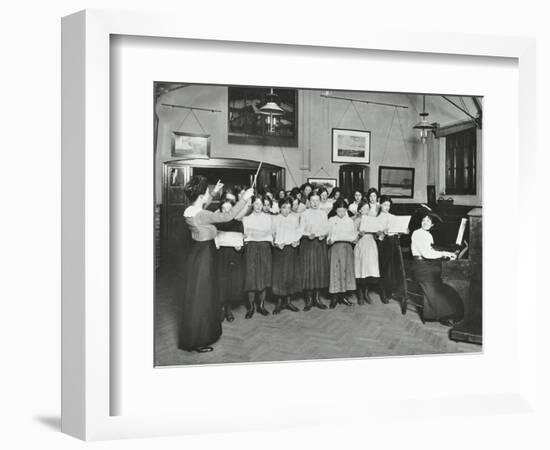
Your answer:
<point x="463" y="110"/>
<point x="190" y="107"/>
<point x="364" y="101"/>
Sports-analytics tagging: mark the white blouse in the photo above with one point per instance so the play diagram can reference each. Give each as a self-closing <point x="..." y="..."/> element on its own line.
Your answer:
<point x="326" y="206"/>
<point x="342" y="229"/>
<point x="314" y="221"/>
<point x="257" y="227"/>
<point x="286" y="230"/>
<point x="352" y="208"/>
<point x="422" y="245"/>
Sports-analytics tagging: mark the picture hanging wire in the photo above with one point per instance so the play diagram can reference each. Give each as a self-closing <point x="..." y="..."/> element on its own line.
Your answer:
<point x="322" y="169"/>
<point x="191" y="111"/>
<point x="287" y="166"/>
<point x="395" y="113"/>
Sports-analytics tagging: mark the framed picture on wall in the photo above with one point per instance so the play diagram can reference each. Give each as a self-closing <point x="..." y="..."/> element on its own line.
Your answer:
<point x="131" y="396"/>
<point x="190" y="145"/>
<point x="350" y="146"/>
<point x="397" y="182"/>
<point x="327" y="183"/>
<point x="262" y="116"/>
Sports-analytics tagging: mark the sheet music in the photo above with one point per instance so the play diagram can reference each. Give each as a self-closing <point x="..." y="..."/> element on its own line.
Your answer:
<point x="399" y="224"/>
<point x="258" y="236"/>
<point x="370" y="224"/>
<point x="228" y="239"/>
<point x="461" y="229"/>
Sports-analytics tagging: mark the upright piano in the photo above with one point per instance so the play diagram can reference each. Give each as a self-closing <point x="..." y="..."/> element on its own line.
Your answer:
<point x="465" y="275"/>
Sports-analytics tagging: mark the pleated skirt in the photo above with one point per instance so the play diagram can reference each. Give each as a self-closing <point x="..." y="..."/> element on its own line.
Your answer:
<point x="314" y="268"/>
<point x="230" y="275"/>
<point x="200" y="308"/>
<point x="258" y="266"/>
<point x="342" y="268"/>
<point x="285" y="279"/>
<point x="440" y="300"/>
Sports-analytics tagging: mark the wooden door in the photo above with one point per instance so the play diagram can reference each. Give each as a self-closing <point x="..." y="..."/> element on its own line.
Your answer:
<point x="354" y="177"/>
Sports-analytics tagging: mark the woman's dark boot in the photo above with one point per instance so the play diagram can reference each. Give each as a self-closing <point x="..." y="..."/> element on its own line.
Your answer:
<point x="360" y="293"/>
<point x="289" y="305"/>
<point x="278" y="306"/>
<point x="382" y="292"/>
<point x="317" y="300"/>
<point x="334" y="301"/>
<point x="250" y="305"/>
<point x="261" y="306"/>
<point x="344" y="301"/>
<point x="228" y="313"/>
<point x="366" y="286"/>
<point x="309" y="301"/>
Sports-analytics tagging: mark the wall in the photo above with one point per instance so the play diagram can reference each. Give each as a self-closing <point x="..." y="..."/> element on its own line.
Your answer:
<point x="393" y="140"/>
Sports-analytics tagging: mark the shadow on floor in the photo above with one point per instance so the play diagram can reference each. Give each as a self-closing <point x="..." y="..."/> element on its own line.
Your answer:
<point x="52" y="422"/>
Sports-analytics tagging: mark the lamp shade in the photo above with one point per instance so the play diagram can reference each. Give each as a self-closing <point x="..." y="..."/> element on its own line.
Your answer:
<point x="424" y="124"/>
<point x="272" y="108"/>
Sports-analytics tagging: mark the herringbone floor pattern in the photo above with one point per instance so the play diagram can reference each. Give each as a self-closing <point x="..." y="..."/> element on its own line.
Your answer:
<point x="345" y="332"/>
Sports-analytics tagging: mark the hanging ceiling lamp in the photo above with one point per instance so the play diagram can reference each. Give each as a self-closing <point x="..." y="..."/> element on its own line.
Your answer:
<point x="424" y="126"/>
<point x="272" y="109"/>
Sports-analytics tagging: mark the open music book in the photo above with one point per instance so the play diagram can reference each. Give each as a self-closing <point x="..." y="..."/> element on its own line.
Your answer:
<point x="228" y="239"/>
<point x="370" y="224"/>
<point x="399" y="224"/>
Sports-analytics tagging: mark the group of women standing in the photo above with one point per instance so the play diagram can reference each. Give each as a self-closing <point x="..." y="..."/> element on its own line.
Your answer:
<point x="296" y="243"/>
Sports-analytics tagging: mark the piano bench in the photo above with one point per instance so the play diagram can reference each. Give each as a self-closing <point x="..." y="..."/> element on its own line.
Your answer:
<point x="414" y="295"/>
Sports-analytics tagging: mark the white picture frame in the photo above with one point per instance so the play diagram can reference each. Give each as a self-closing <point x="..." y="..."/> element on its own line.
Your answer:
<point x="87" y="283"/>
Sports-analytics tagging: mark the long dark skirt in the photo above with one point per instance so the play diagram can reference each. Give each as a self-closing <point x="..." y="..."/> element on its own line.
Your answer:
<point x="441" y="300"/>
<point x="392" y="270"/>
<point x="258" y="266"/>
<point x="230" y="275"/>
<point x="314" y="268"/>
<point x="200" y="316"/>
<point x="342" y="268"/>
<point x="285" y="271"/>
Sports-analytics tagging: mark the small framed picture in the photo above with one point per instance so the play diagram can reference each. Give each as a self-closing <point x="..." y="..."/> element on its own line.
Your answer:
<point x="397" y="182"/>
<point x="350" y="146"/>
<point x="190" y="145"/>
<point x="328" y="183"/>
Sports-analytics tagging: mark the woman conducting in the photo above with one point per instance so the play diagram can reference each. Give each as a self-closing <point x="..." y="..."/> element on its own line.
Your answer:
<point x="441" y="301"/>
<point x="200" y="324"/>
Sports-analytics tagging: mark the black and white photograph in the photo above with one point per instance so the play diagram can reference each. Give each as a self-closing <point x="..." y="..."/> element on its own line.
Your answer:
<point x="273" y="249"/>
<point x="350" y="146"/>
<point x="397" y="182"/>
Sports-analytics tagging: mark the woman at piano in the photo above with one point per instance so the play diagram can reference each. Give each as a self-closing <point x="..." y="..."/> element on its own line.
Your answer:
<point x="441" y="301"/>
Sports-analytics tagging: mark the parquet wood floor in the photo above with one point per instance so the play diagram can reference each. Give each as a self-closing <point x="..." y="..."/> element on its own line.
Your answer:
<point x="345" y="332"/>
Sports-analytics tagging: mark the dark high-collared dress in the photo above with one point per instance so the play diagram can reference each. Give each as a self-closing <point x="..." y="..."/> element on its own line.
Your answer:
<point x="200" y="324"/>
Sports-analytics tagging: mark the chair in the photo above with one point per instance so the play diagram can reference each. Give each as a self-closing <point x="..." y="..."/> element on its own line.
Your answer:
<point x="414" y="295"/>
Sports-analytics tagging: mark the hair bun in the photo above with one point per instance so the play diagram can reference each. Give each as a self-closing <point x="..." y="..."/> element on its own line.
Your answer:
<point x="197" y="185"/>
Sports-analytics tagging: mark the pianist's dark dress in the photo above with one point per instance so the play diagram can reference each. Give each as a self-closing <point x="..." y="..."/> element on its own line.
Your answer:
<point x="441" y="300"/>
